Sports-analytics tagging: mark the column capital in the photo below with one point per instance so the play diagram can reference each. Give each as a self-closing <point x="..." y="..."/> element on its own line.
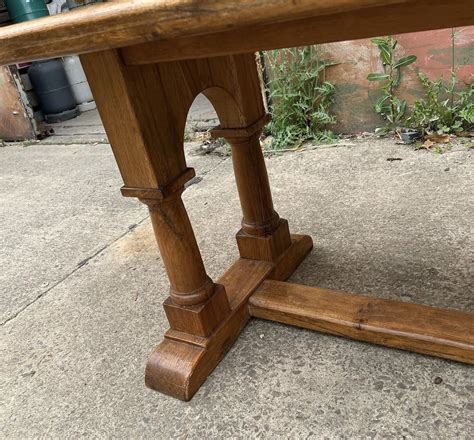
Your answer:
<point x="152" y="196"/>
<point x="243" y="133"/>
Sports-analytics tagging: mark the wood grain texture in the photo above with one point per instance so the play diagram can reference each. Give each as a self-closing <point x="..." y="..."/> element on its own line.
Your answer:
<point x="202" y="319"/>
<point x="144" y="114"/>
<point x="189" y="283"/>
<point x="144" y="110"/>
<point x="301" y="246"/>
<point x="124" y="22"/>
<point x="267" y="247"/>
<point x="429" y="330"/>
<point x="362" y="23"/>
<point x="182" y="362"/>
<point x="264" y="236"/>
<point x="259" y="217"/>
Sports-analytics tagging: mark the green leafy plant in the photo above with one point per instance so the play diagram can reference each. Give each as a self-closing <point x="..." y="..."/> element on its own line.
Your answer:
<point x="444" y="110"/>
<point x="301" y="97"/>
<point x="389" y="106"/>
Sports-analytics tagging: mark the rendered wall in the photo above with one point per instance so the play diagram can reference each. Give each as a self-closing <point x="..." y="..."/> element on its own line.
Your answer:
<point x="356" y="96"/>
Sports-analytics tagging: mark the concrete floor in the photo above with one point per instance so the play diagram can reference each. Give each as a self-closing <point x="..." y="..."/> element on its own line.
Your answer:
<point x="88" y="128"/>
<point x="82" y="285"/>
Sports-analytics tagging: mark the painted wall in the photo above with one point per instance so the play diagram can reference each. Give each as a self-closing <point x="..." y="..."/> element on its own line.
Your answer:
<point x="356" y="96"/>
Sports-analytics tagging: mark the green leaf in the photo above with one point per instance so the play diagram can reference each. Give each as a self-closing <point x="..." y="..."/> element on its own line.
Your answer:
<point x="377" y="76"/>
<point x="402" y="108"/>
<point x="405" y="61"/>
<point x="381" y="131"/>
<point x="380" y="104"/>
<point x="385" y="55"/>
<point x="380" y="42"/>
<point x="398" y="77"/>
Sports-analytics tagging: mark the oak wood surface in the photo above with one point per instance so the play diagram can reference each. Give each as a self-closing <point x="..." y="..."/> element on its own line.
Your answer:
<point x="434" y="331"/>
<point x="125" y="22"/>
<point x="362" y="23"/>
<point x="144" y="110"/>
<point x="189" y="282"/>
<point x="202" y="319"/>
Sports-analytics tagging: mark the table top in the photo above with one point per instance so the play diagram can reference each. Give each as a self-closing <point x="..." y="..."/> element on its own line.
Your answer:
<point x="180" y="29"/>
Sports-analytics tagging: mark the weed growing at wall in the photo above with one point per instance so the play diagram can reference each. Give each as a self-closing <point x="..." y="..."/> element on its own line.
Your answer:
<point x="300" y="97"/>
<point x="389" y="106"/>
<point x="446" y="108"/>
<point x="443" y="110"/>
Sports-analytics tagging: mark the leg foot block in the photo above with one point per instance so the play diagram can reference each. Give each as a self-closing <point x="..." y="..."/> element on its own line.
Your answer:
<point x="182" y="362"/>
<point x="200" y="320"/>
<point x="268" y="247"/>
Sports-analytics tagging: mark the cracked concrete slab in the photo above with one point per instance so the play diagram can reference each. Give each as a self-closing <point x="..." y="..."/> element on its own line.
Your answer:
<point x="73" y="361"/>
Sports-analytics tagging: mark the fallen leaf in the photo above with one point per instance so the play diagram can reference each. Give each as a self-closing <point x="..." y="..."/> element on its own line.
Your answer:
<point x="428" y="144"/>
<point x="445" y="138"/>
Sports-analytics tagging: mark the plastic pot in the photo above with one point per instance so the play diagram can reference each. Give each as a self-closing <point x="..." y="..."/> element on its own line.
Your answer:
<point x="24" y="10"/>
<point x="408" y="135"/>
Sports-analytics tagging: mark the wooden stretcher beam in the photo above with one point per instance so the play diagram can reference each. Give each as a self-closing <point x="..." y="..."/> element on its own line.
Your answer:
<point x="444" y="333"/>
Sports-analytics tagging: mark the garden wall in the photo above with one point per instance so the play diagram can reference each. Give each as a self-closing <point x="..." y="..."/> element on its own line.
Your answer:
<point x="356" y="96"/>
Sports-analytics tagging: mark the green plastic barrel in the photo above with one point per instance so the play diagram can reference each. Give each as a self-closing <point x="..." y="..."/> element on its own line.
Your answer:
<point x="24" y="10"/>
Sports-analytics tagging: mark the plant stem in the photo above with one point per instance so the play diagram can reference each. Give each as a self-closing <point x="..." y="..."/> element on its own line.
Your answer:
<point x="453" y="36"/>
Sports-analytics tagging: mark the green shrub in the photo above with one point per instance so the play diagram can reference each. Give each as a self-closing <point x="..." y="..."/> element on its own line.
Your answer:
<point x="300" y="97"/>
<point x="443" y="110"/>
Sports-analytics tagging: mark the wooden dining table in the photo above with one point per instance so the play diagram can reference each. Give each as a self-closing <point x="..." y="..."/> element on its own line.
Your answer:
<point x="146" y="61"/>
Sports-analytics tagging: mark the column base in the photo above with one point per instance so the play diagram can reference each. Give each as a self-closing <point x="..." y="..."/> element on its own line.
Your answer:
<point x="202" y="319"/>
<point x="267" y="247"/>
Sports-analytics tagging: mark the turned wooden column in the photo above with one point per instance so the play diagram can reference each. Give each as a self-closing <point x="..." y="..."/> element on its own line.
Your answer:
<point x="196" y="304"/>
<point x="264" y="235"/>
<point x="259" y="217"/>
<point x="189" y="283"/>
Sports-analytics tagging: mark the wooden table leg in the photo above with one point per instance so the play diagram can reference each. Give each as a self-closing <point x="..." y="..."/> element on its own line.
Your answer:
<point x="144" y="110"/>
<point x="264" y="236"/>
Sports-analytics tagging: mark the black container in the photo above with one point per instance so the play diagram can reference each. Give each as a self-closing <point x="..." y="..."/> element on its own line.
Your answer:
<point x="409" y="136"/>
<point x="53" y="90"/>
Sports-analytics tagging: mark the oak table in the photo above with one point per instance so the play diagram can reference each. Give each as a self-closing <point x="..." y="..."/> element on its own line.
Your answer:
<point x="146" y="60"/>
